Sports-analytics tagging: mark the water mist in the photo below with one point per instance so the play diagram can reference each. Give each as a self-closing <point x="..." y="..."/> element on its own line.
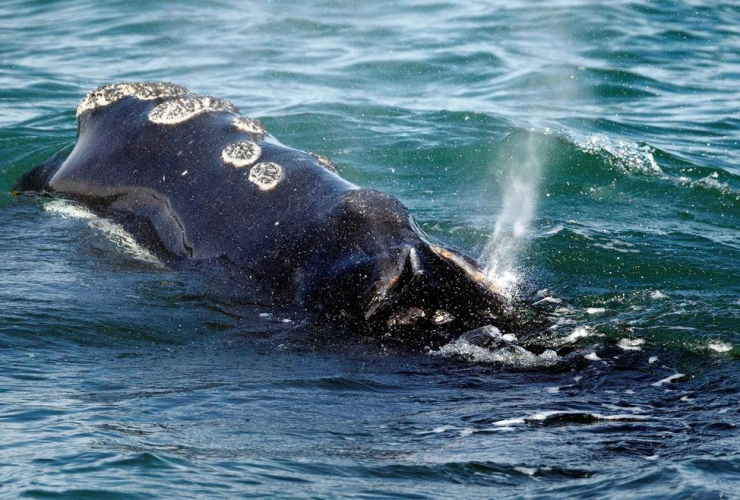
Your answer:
<point x="520" y="180"/>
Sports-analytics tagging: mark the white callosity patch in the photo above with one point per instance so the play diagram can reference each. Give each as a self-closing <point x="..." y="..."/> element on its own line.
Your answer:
<point x="183" y="109"/>
<point x="324" y="162"/>
<point x="249" y="125"/>
<point x="108" y="94"/>
<point x="241" y="154"/>
<point x="266" y="175"/>
<point x="441" y="317"/>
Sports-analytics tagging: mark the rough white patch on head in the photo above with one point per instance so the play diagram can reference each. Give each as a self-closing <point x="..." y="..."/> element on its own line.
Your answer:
<point x="324" y="162"/>
<point x="441" y="317"/>
<point x="108" y="94"/>
<point x="241" y="154"/>
<point x="183" y="109"/>
<point x="266" y="175"/>
<point x="249" y="125"/>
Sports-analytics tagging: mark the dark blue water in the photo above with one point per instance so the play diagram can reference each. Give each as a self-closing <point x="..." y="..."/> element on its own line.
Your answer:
<point x="600" y="139"/>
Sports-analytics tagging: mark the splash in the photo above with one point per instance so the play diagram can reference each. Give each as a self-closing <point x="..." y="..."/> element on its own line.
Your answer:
<point x="520" y="193"/>
<point x="489" y="345"/>
<point x="626" y="155"/>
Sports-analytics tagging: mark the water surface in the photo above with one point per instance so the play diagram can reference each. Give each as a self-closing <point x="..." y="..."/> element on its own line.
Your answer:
<point x="617" y="123"/>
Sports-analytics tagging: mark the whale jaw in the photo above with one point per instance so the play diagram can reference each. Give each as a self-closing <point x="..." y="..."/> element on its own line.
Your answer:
<point x="433" y="290"/>
<point x="414" y="291"/>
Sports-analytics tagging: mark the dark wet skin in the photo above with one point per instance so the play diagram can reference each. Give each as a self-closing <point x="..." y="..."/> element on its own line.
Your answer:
<point x="314" y="240"/>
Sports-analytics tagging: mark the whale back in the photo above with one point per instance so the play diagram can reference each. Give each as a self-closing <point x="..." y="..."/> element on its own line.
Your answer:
<point x="198" y="173"/>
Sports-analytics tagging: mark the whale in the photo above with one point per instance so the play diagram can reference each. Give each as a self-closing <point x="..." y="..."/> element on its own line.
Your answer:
<point x="193" y="179"/>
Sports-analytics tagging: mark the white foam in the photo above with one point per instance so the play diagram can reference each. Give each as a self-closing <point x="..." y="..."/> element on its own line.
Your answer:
<point x="721" y="347"/>
<point x="658" y="295"/>
<point x="668" y="380"/>
<point x="526" y="470"/>
<point x="579" y="333"/>
<point x="444" y="428"/>
<point x="509" y="337"/>
<point x="114" y="232"/>
<point x="555" y="230"/>
<point x="545" y="415"/>
<point x="624" y="154"/>
<point x="592" y="356"/>
<point x="634" y="409"/>
<point x="510" y="354"/>
<point x="548" y="300"/>
<point x="616" y="246"/>
<point x="595" y="310"/>
<point x="630" y="344"/>
<point x="712" y="182"/>
<point x="509" y="422"/>
<point x="68" y="209"/>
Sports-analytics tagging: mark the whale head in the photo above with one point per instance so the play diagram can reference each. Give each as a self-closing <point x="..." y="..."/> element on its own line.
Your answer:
<point x="387" y="278"/>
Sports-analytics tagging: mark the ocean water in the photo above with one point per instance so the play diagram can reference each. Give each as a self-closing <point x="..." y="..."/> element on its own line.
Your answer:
<point x="586" y="152"/>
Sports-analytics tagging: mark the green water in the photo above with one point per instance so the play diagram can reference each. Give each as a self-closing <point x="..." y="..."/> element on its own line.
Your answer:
<point x="601" y="138"/>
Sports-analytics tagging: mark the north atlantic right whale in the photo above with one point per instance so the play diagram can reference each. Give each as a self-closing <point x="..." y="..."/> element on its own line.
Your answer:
<point x="192" y="179"/>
